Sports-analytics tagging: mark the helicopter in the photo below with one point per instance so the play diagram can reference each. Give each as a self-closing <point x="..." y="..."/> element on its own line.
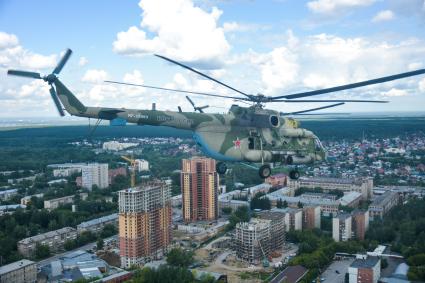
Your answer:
<point x="254" y="136"/>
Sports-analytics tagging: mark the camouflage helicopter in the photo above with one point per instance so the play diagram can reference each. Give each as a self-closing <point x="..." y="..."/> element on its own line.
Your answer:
<point x="253" y="135"/>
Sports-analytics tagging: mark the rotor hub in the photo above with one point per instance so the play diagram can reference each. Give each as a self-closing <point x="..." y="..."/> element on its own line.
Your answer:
<point x="50" y="78"/>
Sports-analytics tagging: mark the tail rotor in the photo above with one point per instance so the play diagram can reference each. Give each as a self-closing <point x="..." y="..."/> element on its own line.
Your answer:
<point x="50" y="78"/>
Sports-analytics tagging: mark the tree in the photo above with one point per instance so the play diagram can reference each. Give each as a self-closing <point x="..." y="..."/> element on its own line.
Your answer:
<point x="279" y="203"/>
<point x="300" y="205"/>
<point x="42" y="251"/>
<point x="242" y="214"/>
<point x="226" y="210"/>
<point x="179" y="257"/>
<point x="260" y="201"/>
<point x="99" y="244"/>
<point x="285" y="204"/>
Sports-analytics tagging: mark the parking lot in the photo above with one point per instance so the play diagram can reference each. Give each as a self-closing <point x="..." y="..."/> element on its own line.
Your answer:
<point x="331" y="274"/>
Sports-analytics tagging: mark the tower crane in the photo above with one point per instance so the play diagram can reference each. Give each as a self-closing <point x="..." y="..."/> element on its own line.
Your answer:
<point x="133" y="164"/>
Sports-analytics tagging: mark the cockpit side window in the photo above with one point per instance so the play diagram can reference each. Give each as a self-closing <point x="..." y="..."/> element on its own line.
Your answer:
<point x="274" y="120"/>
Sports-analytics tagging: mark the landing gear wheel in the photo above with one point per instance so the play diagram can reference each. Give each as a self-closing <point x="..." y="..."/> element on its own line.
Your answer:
<point x="294" y="174"/>
<point x="221" y="168"/>
<point x="264" y="171"/>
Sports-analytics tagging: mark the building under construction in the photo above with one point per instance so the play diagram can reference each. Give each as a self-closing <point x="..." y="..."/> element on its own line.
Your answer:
<point x="277" y="228"/>
<point x="252" y="240"/>
<point x="144" y="223"/>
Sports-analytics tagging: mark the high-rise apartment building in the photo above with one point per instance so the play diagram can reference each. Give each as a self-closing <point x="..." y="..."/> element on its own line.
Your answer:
<point x="199" y="183"/>
<point x="144" y="223"/>
<point x="360" y="223"/>
<point x="341" y="227"/>
<point x="311" y="217"/>
<point x="95" y="174"/>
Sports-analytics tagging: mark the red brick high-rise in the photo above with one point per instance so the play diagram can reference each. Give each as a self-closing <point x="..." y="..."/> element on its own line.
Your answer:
<point x="199" y="183"/>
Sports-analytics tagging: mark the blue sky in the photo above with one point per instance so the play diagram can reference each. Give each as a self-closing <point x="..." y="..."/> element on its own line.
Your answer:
<point x="272" y="47"/>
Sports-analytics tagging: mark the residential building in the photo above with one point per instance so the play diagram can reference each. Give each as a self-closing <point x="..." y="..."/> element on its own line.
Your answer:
<point x="277" y="180"/>
<point x="22" y="271"/>
<point x="252" y="240"/>
<point x="95" y="174"/>
<point x="360" y="223"/>
<point x="56" y="202"/>
<point x="142" y="165"/>
<point x="311" y="217"/>
<point x="8" y="194"/>
<point x="27" y="199"/>
<point x="260" y="188"/>
<point x="96" y="225"/>
<point x="327" y="206"/>
<point x="112" y="173"/>
<point x="361" y="185"/>
<point x="117" y="146"/>
<point x="66" y="172"/>
<point x="53" y="239"/>
<point x="382" y="204"/>
<point x="294" y="221"/>
<point x="199" y="183"/>
<point x="365" y="269"/>
<point x="145" y="223"/>
<point x="341" y="227"/>
<point x="351" y="199"/>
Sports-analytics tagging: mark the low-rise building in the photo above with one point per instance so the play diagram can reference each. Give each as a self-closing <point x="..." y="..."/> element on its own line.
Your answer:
<point x="117" y="146"/>
<point x="261" y="188"/>
<point x="361" y="185"/>
<point x="277" y="180"/>
<point x="365" y="269"/>
<point x="112" y="173"/>
<point x="53" y="239"/>
<point x="22" y="271"/>
<point x="8" y="194"/>
<point x="383" y="204"/>
<point x="66" y="172"/>
<point x="351" y="199"/>
<point x="341" y="227"/>
<point x="96" y="225"/>
<point x="27" y="200"/>
<point x="56" y="202"/>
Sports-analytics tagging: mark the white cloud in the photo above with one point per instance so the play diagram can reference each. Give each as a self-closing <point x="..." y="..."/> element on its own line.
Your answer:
<point x="422" y="85"/>
<point x="82" y="61"/>
<point x="94" y="76"/>
<point x="177" y="29"/>
<point x="8" y="40"/>
<point x="395" y="92"/>
<point x="383" y="16"/>
<point x="336" y="6"/>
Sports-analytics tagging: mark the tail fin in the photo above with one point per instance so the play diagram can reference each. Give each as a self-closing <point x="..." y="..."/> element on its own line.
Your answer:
<point x="71" y="103"/>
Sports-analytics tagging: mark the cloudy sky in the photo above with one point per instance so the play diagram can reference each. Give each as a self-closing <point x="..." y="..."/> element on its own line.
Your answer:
<point x="271" y="47"/>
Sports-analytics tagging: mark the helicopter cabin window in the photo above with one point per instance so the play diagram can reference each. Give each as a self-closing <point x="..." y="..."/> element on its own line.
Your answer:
<point x="251" y="143"/>
<point x="318" y="145"/>
<point x="274" y="120"/>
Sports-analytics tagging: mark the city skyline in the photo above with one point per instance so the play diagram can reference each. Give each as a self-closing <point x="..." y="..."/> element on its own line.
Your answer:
<point x="285" y="48"/>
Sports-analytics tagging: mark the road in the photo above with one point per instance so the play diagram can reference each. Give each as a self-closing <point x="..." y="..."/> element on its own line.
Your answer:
<point x="85" y="247"/>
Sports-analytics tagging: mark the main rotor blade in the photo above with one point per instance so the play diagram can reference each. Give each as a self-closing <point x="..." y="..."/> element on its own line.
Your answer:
<point x="62" y="62"/>
<point x="202" y="74"/>
<point x="330" y="100"/>
<point x="177" y="90"/>
<point x="190" y="100"/>
<point x="26" y="74"/>
<point x="56" y="101"/>
<point x="353" y="85"/>
<point x="312" y="109"/>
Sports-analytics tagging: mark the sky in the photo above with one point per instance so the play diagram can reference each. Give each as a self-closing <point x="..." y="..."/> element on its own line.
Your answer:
<point x="271" y="47"/>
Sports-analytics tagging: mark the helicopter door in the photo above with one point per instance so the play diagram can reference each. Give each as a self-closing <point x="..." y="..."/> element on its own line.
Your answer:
<point x="251" y="143"/>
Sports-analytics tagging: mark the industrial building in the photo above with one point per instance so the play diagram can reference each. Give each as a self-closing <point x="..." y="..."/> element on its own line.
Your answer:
<point x="53" y="239"/>
<point x="95" y="174"/>
<point x="22" y="271"/>
<point x="360" y="185"/>
<point x="145" y="223"/>
<point x="199" y="183"/>
<point x="341" y="227"/>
